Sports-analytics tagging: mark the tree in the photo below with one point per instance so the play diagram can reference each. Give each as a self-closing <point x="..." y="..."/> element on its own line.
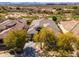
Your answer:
<point x="15" y="39"/>
<point x="54" y="18"/>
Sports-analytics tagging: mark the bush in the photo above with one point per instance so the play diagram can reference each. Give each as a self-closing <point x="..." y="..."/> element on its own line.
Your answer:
<point x="64" y="53"/>
<point x="46" y="36"/>
<point x="62" y="44"/>
<point x="12" y="18"/>
<point x="15" y="39"/>
<point x="29" y="22"/>
<point x="75" y="7"/>
<point x="65" y="41"/>
<point x="3" y="11"/>
<point x="75" y="12"/>
<point x="54" y="18"/>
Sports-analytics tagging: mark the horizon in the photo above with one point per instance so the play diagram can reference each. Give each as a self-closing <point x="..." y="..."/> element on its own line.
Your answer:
<point x="39" y="2"/>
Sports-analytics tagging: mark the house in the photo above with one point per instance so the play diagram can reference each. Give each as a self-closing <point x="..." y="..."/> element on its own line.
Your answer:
<point x="2" y="27"/>
<point x="10" y="25"/>
<point x="71" y="26"/>
<point x="42" y="23"/>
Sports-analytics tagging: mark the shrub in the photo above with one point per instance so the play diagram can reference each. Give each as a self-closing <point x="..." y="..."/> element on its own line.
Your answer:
<point x="75" y="12"/>
<point x="12" y="18"/>
<point x="65" y="41"/>
<point x="15" y="39"/>
<point x="29" y="22"/>
<point x="75" y="7"/>
<point x="46" y="36"/>
<point x="2" y="11"/>
<point x="54" y="18"/>
<point x="62" y="44"/>
<point x="64" y="53"/>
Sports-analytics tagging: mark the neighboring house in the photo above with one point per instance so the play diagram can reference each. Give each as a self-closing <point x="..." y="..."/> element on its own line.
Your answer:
<point x="42" y="23"/>
<point x="37" y="24"/>
<point x="10" y="25"/>
<point x="72" y="26"/>
<point x="2" y="27"/>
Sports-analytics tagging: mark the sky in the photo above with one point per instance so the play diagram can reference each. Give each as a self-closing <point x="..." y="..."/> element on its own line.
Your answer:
<point x="39" y="0"/>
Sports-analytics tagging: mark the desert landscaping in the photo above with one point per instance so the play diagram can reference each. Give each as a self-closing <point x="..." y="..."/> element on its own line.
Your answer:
<point x="39" y="31"/>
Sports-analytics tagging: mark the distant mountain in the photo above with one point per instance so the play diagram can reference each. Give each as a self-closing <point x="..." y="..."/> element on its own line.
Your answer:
<point x="36" y="3"/>
<point x="63" y="3"/>
<point x="21" y="3"/>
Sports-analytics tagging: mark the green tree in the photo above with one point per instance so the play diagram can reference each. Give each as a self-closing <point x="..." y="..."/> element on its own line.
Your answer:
<point x="54" y="18"/>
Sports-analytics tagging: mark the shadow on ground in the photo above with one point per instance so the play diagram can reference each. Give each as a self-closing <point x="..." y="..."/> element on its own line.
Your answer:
<point x="28" y="52"/>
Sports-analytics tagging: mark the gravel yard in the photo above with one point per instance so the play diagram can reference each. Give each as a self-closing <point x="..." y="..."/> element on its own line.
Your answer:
<point x="5" y="54"/>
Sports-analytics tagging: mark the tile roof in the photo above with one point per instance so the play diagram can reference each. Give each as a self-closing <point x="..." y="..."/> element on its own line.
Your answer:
<point x="18" y="25"/>
<point x="41" y="22"/>
<point x="72" y="26"/>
